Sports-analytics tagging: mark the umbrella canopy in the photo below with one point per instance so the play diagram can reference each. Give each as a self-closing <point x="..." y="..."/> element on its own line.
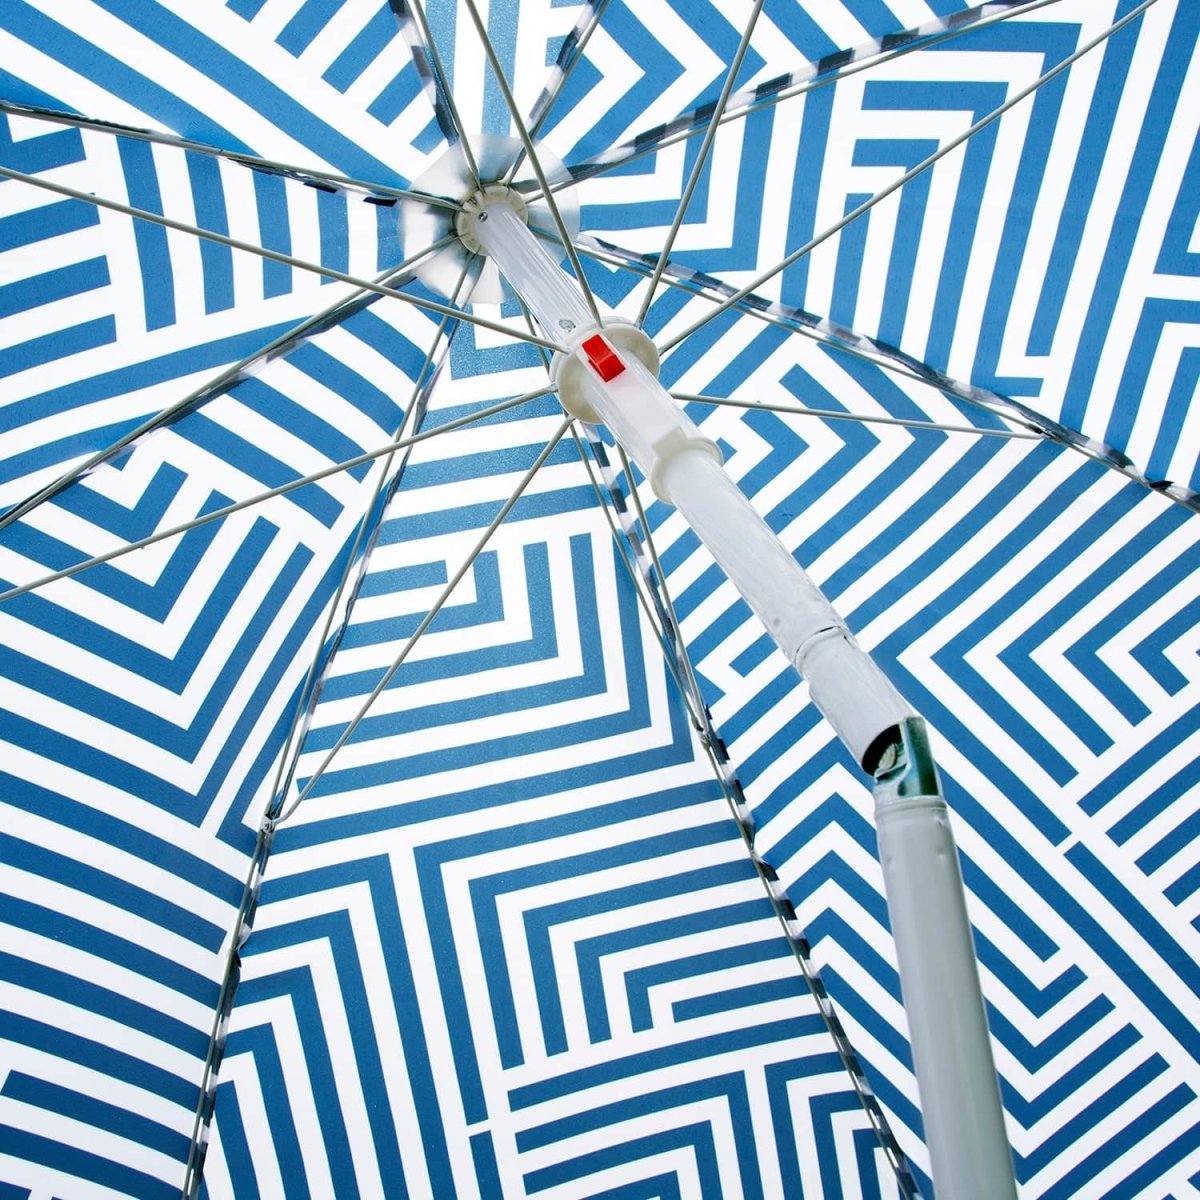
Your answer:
<point x="325" y="877"/>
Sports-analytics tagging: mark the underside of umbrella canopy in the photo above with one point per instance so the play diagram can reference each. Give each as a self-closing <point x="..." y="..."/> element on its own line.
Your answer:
<point x="327" y="877"/>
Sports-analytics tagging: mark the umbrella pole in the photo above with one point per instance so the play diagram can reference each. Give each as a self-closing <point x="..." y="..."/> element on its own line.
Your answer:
<point x="609" y="373"/>
<point x="952" y="1054"/>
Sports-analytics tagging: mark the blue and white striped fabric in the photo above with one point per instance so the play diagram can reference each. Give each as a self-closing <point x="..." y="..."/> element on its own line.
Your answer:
<point x="512" y="943"/>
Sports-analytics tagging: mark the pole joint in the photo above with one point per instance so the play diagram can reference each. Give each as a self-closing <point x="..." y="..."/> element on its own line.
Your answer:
<point x="902" y="763"/>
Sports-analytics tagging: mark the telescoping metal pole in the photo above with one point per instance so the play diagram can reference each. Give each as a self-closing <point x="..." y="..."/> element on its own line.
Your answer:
<point x="608" y="374"/>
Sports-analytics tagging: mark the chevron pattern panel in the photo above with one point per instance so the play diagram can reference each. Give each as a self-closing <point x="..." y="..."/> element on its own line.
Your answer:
<point x="144" y="702"/>
<point x="1067" y="740"/>
<point x="519" y="880"/>
<point x="511" y="943"/>
<point x="1052" y="259"/>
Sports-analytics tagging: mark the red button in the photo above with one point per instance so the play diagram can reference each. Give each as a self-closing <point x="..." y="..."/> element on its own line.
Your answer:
<point x="603" y="357"/>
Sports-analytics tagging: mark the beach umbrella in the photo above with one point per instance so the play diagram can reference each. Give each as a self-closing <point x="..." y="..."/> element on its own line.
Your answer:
<point x="448" y="825"/>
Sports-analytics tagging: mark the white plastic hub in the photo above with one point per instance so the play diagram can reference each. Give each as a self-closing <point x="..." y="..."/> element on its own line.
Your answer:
<point x="452" y="176"/>
<point x="475" y="210"/>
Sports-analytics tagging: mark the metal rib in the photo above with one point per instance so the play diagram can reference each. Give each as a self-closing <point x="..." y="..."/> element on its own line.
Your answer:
<point x="413" y="414"/>
<point x="879" y="354"/>
<point x="569" y="58"/>
<point x="830" y="414"/>
<point x="311" y="176"/>
<point x="698" y="166"/>
<point x="445" y="93"/>
<point x="282" y="490"/>
<point x="834" y="67"/>
<point x="222" y="382"/>
<point x="427" y="620"/>
<point x="909" y="175"/>
<point x="563" y="234"/>
<point x="274" y="255"/>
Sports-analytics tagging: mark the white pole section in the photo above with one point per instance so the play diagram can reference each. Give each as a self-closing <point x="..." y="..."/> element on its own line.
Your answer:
<point x="609" y="375"/>
<point x="684" y="468"/>
<point x="551" y="294"/>
<point x="935" y="952"/>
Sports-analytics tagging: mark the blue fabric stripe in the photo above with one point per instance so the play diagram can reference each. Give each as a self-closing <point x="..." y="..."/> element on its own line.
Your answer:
<point x="48" y="221"/>
<point x="395" y="97"/>
<point x="247" y="9"/>
<point x="179" y="38"/>
<point x="77" y="339"/>
<point x="270" y="198"/>
<point x="154" y="257"/>
<point x="216" y="261"/>
<point x="58" y="284"/>
<point x="71" y="1161"/>
<point x="366" y="46"/>
<point x="75" y="1105"/>
<point x="310" y="18"/>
